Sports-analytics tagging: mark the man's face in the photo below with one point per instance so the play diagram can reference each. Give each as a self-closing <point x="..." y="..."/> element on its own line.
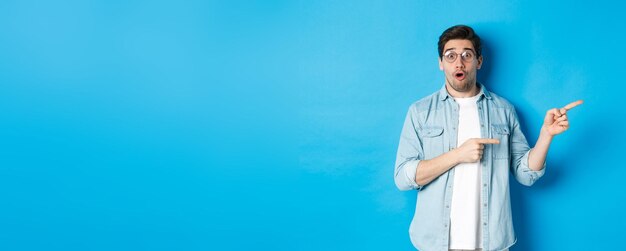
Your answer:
<point x="460" y="72"/>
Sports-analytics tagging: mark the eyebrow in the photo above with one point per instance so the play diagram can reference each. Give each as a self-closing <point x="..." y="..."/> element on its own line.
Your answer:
<point x="450" y="49"/>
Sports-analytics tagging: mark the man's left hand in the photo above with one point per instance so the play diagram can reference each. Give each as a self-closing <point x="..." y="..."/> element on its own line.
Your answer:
<point x="556" y="119"/>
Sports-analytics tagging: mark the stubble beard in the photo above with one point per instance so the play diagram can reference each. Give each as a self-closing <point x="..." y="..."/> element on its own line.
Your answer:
<point x="464" y="86"/>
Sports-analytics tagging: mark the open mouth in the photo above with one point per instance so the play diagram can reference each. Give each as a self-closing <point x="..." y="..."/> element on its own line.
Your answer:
<point x="459" y="75"/>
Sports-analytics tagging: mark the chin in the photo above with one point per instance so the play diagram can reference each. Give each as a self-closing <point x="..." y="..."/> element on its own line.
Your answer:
<point x="462" y="87"/>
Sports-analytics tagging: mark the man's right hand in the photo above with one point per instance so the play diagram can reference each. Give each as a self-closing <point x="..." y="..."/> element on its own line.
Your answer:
<point x="472" y="150"/>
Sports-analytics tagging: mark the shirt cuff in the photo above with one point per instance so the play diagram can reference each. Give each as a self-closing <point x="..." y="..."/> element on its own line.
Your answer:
<point x="410" y="168"/>
<point x="534" y="175"/>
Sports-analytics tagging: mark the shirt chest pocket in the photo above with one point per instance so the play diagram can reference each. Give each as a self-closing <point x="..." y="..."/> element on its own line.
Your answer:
<point x="432" y="141"/>
<point x="502" y="133"/>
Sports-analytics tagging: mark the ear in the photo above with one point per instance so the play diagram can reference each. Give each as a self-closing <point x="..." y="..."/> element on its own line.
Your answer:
<point x="440" y="64"/>
<point x="480" y="62"/>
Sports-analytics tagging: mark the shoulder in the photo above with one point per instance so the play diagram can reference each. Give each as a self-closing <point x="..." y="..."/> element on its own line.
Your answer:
<point x="427" y="103"/>
<point x="500" y="102"/>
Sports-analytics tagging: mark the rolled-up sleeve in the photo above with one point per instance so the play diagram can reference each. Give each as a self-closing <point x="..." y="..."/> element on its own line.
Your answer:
<point x="410" y="153"/>
<point x="520" y="151"/>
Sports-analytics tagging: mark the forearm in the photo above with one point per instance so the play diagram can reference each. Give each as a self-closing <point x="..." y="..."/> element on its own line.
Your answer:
<point x="428" y="170"/>
<point x="537" y="155"/>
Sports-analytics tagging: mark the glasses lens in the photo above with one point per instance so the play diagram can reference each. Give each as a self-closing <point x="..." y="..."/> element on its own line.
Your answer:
<point x="467" y="56"/>
<point x="450" y="56"/>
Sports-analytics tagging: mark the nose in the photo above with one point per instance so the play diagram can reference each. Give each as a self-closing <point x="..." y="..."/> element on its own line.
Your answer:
<point x="458" y="63"/>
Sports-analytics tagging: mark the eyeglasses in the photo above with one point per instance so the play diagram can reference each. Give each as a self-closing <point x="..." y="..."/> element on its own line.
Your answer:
<point x="466" y="56"/>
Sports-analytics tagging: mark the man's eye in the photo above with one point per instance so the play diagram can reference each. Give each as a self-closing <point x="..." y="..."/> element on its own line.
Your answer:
<point x="467" y="56"/>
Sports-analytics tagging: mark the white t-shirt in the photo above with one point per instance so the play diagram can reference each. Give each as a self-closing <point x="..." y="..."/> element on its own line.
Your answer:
<point x="465" y="228"/>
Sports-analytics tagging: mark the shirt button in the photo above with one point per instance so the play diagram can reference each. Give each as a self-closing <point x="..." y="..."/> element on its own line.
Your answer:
<point x="485" y="204"/>
<point x="484" y="223"/>
<point x="447" y="206"/>
<point x="485" y="185"/>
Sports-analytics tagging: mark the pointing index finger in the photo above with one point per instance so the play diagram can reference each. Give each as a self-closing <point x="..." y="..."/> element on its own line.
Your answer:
<point x="488" y="141"/>
<point x="573" y="104"/>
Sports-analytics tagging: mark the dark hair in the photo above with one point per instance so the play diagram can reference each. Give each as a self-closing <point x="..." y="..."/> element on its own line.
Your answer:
<point x="459" y="32"/>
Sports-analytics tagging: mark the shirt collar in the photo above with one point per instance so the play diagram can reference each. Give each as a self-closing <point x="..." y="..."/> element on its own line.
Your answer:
<point x="443" y="93"/>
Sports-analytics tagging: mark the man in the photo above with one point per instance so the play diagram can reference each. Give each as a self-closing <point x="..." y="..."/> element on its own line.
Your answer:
<point x="457" y="148"/>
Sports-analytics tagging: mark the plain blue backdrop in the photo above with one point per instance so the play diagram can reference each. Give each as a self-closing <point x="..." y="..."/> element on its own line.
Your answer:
<point x="273" y="125"/>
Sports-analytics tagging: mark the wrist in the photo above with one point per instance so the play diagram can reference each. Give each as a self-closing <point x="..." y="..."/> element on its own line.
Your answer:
<point x="545" y="133"/>
<point x="454" y="156"/>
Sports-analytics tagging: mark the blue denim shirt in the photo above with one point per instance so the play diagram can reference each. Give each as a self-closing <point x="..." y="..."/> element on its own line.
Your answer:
<point x="430" y="129"/>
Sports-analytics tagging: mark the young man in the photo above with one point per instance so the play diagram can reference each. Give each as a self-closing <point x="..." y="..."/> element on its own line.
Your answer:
<point x="457" y="148"/>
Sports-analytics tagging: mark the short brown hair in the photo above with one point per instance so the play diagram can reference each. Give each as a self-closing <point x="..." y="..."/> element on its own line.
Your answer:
<point x="459" y="32"/>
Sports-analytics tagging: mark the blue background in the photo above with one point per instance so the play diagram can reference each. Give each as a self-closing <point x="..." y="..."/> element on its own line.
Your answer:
<point x="273" y="125"/>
